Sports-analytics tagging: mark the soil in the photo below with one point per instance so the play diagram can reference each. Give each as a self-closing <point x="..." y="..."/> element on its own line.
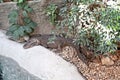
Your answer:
<point x="92" y="70"/>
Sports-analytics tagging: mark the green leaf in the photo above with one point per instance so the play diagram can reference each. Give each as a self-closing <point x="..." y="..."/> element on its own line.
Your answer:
<point x="30" y="10"/>
<point x="9" y="33"/>
<point x="1" y="1"/>
<point x="27" y="29"/>
<point x="13" y="16"/>
<point x="20" y="1"/>
<point x="21" y="31"/>
<point x="27" y="20"/>
<point x="16" y="34"/>
<point x="13" y="13"/>
<point x="26" y="7"/>
<point x="12" y="20"/>
<point x="13" y="28"/>
<point x="32" y="24"/>
<point x="25" y="14"/>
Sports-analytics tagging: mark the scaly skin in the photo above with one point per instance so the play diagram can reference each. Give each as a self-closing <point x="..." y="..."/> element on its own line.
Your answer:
<point x="58" y="43"/>
<point x="43" y="40"/>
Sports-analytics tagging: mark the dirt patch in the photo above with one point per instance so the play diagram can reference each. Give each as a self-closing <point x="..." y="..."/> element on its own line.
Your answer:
<point x="92" y="70"/>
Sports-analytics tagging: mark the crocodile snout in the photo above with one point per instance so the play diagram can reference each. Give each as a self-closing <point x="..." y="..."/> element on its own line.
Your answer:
<point x="31" y="43"/>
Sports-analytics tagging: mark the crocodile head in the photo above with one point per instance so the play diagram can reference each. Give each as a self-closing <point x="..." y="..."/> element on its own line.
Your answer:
<point x="31" y="43"/>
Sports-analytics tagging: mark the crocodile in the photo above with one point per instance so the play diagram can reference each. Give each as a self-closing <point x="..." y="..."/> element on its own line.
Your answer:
<point x="44" y="40"/>
<point x="58" y="43"/>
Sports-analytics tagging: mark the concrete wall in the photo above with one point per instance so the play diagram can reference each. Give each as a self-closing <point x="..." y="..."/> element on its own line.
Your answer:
<point x="39" y="17"/>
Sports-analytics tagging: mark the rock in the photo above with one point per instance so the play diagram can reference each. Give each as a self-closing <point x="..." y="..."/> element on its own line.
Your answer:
<point x="37" y="62"/>
<point x="114" y="57"/>
<point x="107" y="61"/>
<point x="97" y="60"/>
<point x="11" y="70"/>
<point x="0" y="73"/>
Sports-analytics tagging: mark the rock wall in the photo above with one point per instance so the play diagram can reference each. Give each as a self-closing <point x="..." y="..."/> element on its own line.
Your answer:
<point x="44" y="26"/>
<point x="11" y="70"/>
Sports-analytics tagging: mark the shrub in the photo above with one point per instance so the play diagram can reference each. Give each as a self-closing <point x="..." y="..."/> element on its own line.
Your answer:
<point x="94" y="26"/>
<point x="20" y="20"/>
<point x="51" y="12"/>
<point x="110" y="18"/>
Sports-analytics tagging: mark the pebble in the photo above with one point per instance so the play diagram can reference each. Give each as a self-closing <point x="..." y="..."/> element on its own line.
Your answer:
<point x="95" y="71"/>
<point x="107" y="61"/>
